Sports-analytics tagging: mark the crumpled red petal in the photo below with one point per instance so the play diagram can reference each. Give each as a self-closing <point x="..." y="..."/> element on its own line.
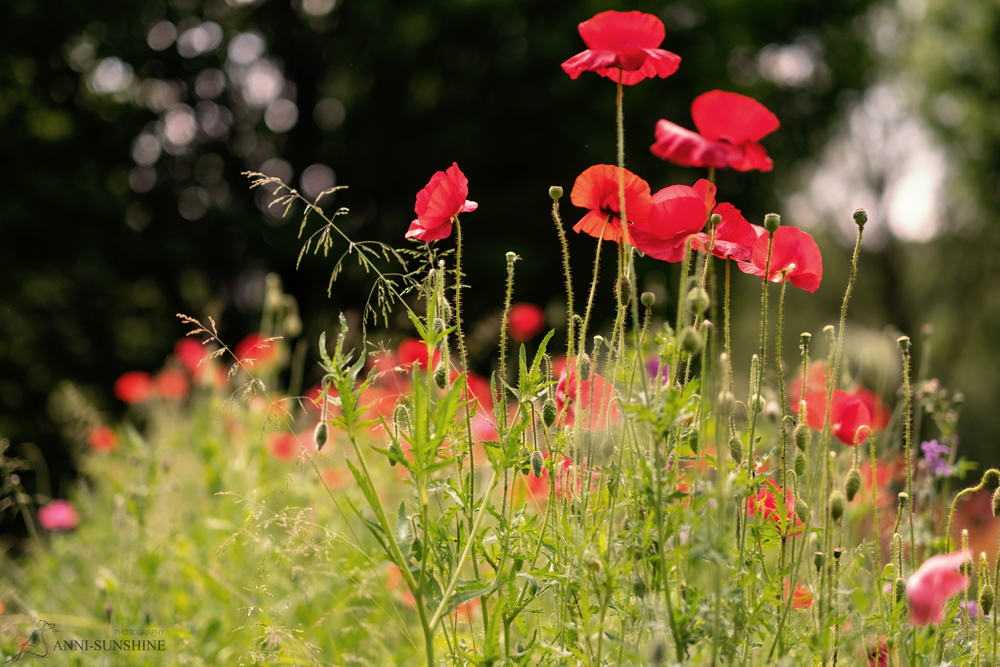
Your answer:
<point x="689" y="149"/>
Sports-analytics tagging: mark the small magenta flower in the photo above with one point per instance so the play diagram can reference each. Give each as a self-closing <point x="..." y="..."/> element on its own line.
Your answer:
<point x="929" y="587"/>
<point x="59" y="515"/>
<point x="937" y="458"/>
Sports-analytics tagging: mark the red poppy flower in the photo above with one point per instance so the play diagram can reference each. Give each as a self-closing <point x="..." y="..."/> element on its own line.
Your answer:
<point x="525" y="321"/>
<point x="880" y="414"/>
<point x="795" y="257"/>
<point x="102" y="439"/>
<point x="597" y="189"/>
<point x="802" y="599"/>
<point x="257" y="348"/>
<point x="283" y="446"/>
<point x="190" y="353"/>
<point x="171" y="384"/>
<point x="677" y="213"/>
<point x="729" y="129"/>
<point x="134" y="387"/>
<point x="623" y="45"/>
<point x="878" y="656"/>
<point x="414" y="350"/>
<point x="438" y="203"/>
<point x="848" y="413"/>
<point x="596" y="407"/>
<point x="929" y="588"/>
<point x="816" y="381"/>
<point x="767" y="503"/>
<point x="734" y="236"/>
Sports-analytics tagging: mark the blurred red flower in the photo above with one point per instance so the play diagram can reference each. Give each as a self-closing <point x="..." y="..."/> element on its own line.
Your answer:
<point x="880" y="414"/>
<point x="802" y="599"/>
<point x="190" y="352"/>
<point x="623" y="45"/>
<point x="848" y="414"/>
<point x="414" y="350"/>
<point x="525" y="321"/>
<point x="815" y="382"/>
<point x="597" y="189"/>
<point x="795" y="257"/>
<point x="767" y="503"/>
<point x="933" y="583"/>
<point x="172" y="384"/>
<point x="134" y="387"/>
<point x="443" y="198"/>
<point x="258" y="348"/>
<point x="878" y="656"/>
<point x="729" y="129"/>
<point x="102" y="439"/>
<point x="58" y="515"/>
<point x="677" y="213"/>
<point x="283" y="446"/>
<point x="596" y="407"/>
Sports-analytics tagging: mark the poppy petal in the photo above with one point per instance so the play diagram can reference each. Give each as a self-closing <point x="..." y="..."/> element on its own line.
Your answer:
<point x="622" y="30"/>
<point x="732" y="117"/>
<point x="435" y="233"/>
<point x="689" y="149"/>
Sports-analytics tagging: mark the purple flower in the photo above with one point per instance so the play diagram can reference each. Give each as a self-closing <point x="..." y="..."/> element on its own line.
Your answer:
<point x="937" y="458"/>
<point x="972" y="609"/>
<point x="653" y="367"/>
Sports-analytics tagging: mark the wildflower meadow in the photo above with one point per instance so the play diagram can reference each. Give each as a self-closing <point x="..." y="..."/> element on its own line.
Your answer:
<point x="630" y="492"/>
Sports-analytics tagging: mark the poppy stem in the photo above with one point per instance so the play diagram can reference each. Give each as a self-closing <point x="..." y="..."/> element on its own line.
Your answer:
<point x="569" y="277"/>
<point x="503" y="339"/>
<point x="783" y="469"/>
<point x="878" y="540"/>
<point x="907" y="409"/>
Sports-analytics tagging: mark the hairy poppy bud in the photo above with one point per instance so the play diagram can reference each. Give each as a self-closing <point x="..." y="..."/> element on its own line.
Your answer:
<point x="691" y="341"/>
<point x="726" y="400"/>
<point x="904" y="343"/>
<point x="852" y="484"/>
<point x="736" y="449"/>
<point x="802" y="510"/>
<point x="639" y="587"/>
<point x="647" y="299"/>
<point x="900" y="587"/>
<point x="800" y="463"/>
<point x="556" y="192"/>
<point x="889" y="571"/>
<point x="608" y="447"/>
<point x="585" y="366"/>
<point x="536" y="463"/>
<point x="624" y="290"/>
<point x="393" y="448"/>
<point x="966" y="568"/>
<point x="801" y="436"/>
<point x="860" y="217"/>
<point x="836" y="505"/>
<point x="511" y="256"/>
<point x="445" y="311"/>
<point x="986" y="598"/>
<point x="819" y="559"/>
<point x="771" y="222"/>
<point x="441" y="375"/>
<point x="549" y="412"/>
<point x="321" y="434"/>
<point x="996" y="502"/>
<point x="698" y="300"/>
<point x="439" y="325"/>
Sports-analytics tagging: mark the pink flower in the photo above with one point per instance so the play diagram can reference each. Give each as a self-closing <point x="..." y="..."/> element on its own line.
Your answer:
<point x="58" y="515"/>
<point x="929" y="588"/>
<point x="443" y="198"/>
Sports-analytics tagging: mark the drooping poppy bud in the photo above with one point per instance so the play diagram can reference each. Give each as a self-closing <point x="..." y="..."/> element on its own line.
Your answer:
<point x="536" y="463"/>
<point x="624" y="290"/>
<point x="585" y="366"/>
<point x="441" y="375"/>
<point x="986" y="598"/>
<point x="801" y="436"/>
<point x="549" y="412"/>
<point x="900" y="587"/>
<point x="802" y="510"/>
<point x="736" y="450"/>
<point x="836" y="505"/>
<point x="800" y="463"/>
<point x="996" y="502"/>
<point x="321" y="434"/>
<point x="698" y="299"/>
<point x="852" y="483"/>
<point x="691" y="341"/>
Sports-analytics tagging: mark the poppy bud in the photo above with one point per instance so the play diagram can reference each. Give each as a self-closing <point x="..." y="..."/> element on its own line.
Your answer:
<point x="736" y="450"/>
<point x="393" y="448"/>
<point x="715" y="220"/>
<point x="691" y="341"/>
<point x="860" y="217"/>
<point x="996" y="502"/>
<point x="818" y="559"/>
<point x="771" y="222"/>
<point x="900" y="587"/>
<point x="647" y="299"/>
<point x="321" y="434"/>
<point x="986" y="598"/>
<point x="966" y="568"/>
<point x="639" y="587"/>
<point x="904" y="343"/>
<point x="852" y="484"/>
<point x="549" y="412"/>
<point x="624" y="290"/>
<point x="726" y="400"/>
<point x="757" y="402"/>
<point x="608" y="448"/>
<point x="801" y="436"/>
<point x="519" y="648"/>
<point x="698" y="300"/>
<point x="556" y="192"/>
<point x="889" y="571"/>
<point x="657" y="653"/>
<point x="536" y="463"/>
<point x="511" y="256"/>
<point x="439" y="325"/>
<point x="585" y="366"/>
<point x="800" y="464"/>
<point x="802" y="510"/>
<point x="441" y="375"/>
<point x="836" y="505"/>
<point x="903" y="498"/>
<point x="445" y="311"/>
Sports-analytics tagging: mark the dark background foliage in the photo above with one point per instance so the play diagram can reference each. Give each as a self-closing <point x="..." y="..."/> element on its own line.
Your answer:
<point x="95" y="263"/>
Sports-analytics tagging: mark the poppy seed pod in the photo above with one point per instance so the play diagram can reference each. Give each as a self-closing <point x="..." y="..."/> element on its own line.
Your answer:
<point x="818" y="559"/>
<point x="511" y="256"/>
<point x="441" y="375"/>
<point x="536" y="463"/>
<point x="831" y="333"/>
<point x="860" y="217"/>
<point x="556" y="192"/>
<point x="904" y="343"/>
<point x="624" y="290"/>
<point x="806" y="337"/>
<point x="715" y="220"/>
<point x="852" y="484"/>
<point x="836" y="505"/>
<point x="585" y="366"/>
<point x="736" y="450"/>
<point x="903" y="497"/>
<point x="996" y="502"/>
<point x="802" y="510"/>
<point x="647" y="299"/>
<point x="321" y="434"/>
<point x="986" y="598"/>
<point x="549" y="412"/>
<point x="771" y="222"/>
<point x="691" y="341"/>
<point x="598" y="341"/>
<point x="800" y="464"/>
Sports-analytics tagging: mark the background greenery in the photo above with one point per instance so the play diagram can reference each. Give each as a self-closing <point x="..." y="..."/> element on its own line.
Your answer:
<point x="94" y="271"/>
